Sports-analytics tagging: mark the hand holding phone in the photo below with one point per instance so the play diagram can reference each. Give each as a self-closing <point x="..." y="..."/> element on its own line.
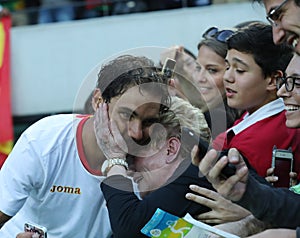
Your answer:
<point x="191" y="138"/>
<point x="38" y="230"/>
<point x="282" y="162"/>
<point x="169" y="67"/>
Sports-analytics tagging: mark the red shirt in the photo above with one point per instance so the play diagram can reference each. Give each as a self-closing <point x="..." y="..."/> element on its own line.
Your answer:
<point x="256" y="142"/>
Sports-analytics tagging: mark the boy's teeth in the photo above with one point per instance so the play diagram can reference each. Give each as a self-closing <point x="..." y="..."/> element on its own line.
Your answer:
<point x="292" y="108"/>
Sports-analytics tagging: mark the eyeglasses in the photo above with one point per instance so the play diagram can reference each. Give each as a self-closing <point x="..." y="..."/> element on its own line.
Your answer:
<point x="289" y="82"/>
<point x="275" y="13"/>
<point x="221" y="36"/>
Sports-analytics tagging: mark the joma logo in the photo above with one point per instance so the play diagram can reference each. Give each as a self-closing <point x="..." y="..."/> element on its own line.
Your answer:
<point x="64" y="189"/>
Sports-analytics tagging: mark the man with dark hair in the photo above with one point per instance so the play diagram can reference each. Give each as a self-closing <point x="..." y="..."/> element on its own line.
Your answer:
<point x="53" y="174"/>
<point x="284" y="16"/>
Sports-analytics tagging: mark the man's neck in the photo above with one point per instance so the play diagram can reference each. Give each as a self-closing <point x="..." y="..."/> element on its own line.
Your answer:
<point x="93" y="154"/>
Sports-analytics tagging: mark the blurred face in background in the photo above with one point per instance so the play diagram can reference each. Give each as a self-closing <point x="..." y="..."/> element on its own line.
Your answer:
<point x="189" y="65"/>
<point x="209" y="77"/>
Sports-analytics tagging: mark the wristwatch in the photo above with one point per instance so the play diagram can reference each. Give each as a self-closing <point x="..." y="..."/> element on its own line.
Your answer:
<point x="109" y="163"/>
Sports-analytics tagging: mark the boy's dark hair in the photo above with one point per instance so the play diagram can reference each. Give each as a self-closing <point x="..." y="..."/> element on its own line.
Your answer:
<point x="257" y="39"/>
<point x="125" y="71"/>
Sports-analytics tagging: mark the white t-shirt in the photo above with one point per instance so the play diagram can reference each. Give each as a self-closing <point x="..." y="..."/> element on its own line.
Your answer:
<point x="46" y="180"/>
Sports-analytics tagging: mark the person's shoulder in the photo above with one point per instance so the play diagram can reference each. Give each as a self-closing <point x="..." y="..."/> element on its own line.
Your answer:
<point x="52" y="120"/>
<point x="192" y="173"/>
<point x="58" y="119"/>
<point x="55" y="124"/>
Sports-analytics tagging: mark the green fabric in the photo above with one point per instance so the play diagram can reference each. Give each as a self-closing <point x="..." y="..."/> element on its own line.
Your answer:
<point x="14" y="5"/>
<point x="296" y="188"/>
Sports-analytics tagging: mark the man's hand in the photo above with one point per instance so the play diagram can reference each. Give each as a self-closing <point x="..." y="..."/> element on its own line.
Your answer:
<point x="232" y="188"/>
<point x="222" y="210"/>
<point x="3" y="218"/>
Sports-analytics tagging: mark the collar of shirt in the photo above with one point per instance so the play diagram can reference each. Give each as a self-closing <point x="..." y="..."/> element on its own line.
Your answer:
<point x="268" y="110"/>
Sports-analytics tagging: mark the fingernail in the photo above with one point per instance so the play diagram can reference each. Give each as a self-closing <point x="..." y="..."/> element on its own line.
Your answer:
<point x="234" y="158"/>
<point x="192" y="187"/>
<point x="188" y="195"/>
<point x="243" y="170"/>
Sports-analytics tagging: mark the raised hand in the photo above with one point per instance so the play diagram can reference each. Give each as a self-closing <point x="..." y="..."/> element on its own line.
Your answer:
<point x="273" y="179"/>
<point x="108" y="136"/>
<point x="232" y="188"/>
<point x="222" y="209"/>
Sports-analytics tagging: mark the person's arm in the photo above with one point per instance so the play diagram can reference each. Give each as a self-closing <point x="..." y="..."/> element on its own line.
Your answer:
<point x="3" y="218"/>
<point x="244" y="227"/>
<point x="272" y="204"/>
<point x="21" y="173"/>
<point x="277" y="233"/>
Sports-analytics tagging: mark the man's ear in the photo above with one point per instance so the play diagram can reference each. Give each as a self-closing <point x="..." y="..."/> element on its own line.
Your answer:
<point x="96" y="99"/>
<point x="272" y="80"/>
<point x="173" y="149"/>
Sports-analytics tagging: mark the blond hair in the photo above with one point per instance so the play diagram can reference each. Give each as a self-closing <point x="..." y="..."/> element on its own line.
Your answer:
<point x="182" y="114"/>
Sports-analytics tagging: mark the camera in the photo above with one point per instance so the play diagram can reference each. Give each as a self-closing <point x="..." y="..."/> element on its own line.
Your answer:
<point x="169" y="67"/>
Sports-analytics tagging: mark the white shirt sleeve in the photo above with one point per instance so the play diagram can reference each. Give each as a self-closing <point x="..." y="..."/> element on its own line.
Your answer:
<point x="21" y="173"/>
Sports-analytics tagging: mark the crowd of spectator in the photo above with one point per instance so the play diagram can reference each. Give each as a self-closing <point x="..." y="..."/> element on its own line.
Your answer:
<point x="28" y="12"/>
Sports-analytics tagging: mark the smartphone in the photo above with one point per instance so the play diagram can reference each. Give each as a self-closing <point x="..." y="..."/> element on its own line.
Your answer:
<point x="191" y="138"/>
<point x="38" y="230"/>
<point x="282" y="161"/>
<point x="169" y="67"/>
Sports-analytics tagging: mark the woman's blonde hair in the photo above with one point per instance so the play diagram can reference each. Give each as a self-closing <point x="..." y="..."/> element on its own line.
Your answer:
<point x="182" y="114"/>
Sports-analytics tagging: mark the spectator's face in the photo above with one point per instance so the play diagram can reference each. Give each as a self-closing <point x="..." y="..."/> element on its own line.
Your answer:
<point x="244" y="81"/>
<point x="211" y="68"/>
<point x="189" y="64"/>
<point x="150" y="171"/>
<point x="153" y="169"/>
<point x="134" y="112"/>
<point x="292" y="99"/>
<point x="288" y="22"/>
